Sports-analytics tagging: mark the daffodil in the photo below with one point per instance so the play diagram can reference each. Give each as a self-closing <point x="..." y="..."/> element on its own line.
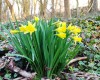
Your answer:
<point x="36" y="18"/>
<point x="30" y="28"/>
<point x="22" y="28"/>
<point x="76" y="30"/>
<point x="14" y="31"/>
<point x="61" y="29"/>
<point x="77" y="39"/>
<point x="58" y="23"/>
<point x="63" y="24"/>
<point x="70" y="27"/>
<point x="61" y="35"/>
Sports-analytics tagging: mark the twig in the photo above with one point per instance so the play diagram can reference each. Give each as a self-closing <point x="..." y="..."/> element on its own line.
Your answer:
<point x="27" y="66"/>
<point x="20" y="78"/>
<point x="77" y="59"/>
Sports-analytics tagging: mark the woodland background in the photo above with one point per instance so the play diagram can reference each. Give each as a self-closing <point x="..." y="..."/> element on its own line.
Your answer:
<point x="24" y="9"/>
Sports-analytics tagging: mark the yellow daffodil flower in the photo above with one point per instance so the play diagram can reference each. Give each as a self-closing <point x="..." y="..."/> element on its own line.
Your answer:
<point x="77" y="39"/>
<point x="36" y="18"/>
<point x="61" y="29"/>
<point x="76" y="30"/>
<point x="14" y="31"/>
<point x="22" y="28"/>
<point x="70" y="27"/>
<point x="30" y="28"/>
<point x="63" y="24"/>
<point x="61" y="35"/>
<point x="58" y="23"/>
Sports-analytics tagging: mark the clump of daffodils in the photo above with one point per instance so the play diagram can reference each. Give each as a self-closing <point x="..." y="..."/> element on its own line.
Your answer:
<point x="33" y="41"/>
<point x="62" y="28"/>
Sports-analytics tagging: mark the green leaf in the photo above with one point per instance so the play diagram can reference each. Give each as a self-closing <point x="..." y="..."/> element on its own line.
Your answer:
<point x="18" y="55"/>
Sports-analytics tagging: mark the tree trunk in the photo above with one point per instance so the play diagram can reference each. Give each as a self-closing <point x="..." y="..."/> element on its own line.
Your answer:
<point x="56" y="2"/>
<point x="60" y="5"/>
<point x="0" y="10"/>
<point x="10" y="8"/>
<point x="67" y="8"/>
<point x="95" y="6"/>
<point x="18" y="2"/>
<point x="77" y="10"/>
<point x="34" y="7"/>
<point x="43" y="6"/>
<point x="4" y="15"/>
<point x="26" y="8"/>
<point x="53" y="11"/>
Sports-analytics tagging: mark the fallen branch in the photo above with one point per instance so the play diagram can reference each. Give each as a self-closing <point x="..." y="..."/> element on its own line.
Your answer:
<point x="20" y="78"/>
<point x="8" y="62"/>
<point x="23" y="73"/>
<point x="77" y="59"/>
